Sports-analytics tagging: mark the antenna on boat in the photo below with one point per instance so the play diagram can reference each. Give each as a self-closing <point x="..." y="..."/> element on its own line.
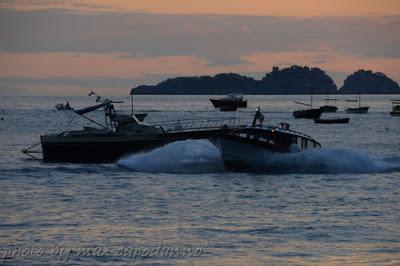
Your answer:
<point x="311" y="93"/>
<point x="131" y="94"/>
<point x="132" y="105"/>
<point x="311" y="100"/>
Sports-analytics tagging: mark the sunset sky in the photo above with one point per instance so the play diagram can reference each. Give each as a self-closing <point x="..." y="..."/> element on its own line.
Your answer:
<point x="67" y="46"/>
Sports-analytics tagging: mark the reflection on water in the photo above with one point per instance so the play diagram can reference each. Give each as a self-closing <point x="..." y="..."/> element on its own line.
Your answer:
<point x="336" y="205"/>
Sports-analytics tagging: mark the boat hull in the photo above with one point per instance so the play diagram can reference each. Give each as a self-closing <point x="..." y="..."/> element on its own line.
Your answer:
<point x="329" y="109"/>
<point x="228" y="105"/>
<point x="395" y="113"/>
<point x="308" y="114"/>
<point x="248" y="149"/>
<point x="92" y="151"/>
<point x="359" y="110"/>
<point x="237" y="155"/>
<point x="111" y="147"/>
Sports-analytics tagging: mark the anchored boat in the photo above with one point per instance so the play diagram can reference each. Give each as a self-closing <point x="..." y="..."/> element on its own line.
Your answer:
<point x="328" y="108"/>
<point x="357" y="110"/>
<point x="247" y="147"/>
<point x="308" y="113"/>
<point x="395" y="108"/>
<point x="230" y="102"/>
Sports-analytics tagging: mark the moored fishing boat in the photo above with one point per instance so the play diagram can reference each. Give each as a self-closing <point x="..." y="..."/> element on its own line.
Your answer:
<point x="357" y="110"/>
<point x="308" y="113"/>
<point x="230" y="102"/>
<point x="395" y="108"/>
<point x="327" y="108"/>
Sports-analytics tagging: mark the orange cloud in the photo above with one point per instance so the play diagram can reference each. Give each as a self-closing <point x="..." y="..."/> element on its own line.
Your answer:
<point x="89" y="65"/>
<point x="239" y="7"/>
<point x="117" y="65"/>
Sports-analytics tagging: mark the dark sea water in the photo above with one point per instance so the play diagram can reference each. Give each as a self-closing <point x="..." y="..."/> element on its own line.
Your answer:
<point x="335" y="205"/>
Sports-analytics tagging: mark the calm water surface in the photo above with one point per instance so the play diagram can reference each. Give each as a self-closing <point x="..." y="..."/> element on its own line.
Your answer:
<point x="339" y="204"/>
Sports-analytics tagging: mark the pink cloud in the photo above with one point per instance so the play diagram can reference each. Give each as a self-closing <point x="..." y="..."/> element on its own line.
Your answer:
<point x="116" y="65"/>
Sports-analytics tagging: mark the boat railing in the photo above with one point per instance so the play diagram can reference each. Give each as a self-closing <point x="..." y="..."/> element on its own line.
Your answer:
<point x="198" y="124"/>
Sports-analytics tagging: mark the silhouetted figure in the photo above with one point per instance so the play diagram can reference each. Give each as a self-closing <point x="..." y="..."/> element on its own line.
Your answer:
<point x="258" y="117"/>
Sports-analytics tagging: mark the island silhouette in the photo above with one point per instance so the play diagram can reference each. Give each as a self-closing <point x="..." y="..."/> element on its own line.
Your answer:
<point x="291" y="80"/>
<point x="368" y="82"/>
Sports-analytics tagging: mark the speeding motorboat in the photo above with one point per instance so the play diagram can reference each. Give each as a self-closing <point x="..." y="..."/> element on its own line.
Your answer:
<point x="122" y="134"/>
<point x="247" y="147"/>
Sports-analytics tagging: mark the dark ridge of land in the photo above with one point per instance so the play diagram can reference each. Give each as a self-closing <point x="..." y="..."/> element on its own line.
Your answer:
<point x="368" y="82"/>
<point x="286" y="81"/>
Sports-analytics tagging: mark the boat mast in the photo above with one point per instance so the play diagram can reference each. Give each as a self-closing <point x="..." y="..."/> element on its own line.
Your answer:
<point x="311" y="93"/>
<point x="131" y="104"/>
<point x="131" y="93"/>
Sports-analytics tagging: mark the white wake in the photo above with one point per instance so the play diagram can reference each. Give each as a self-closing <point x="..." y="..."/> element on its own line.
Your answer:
<point x="188" y="156"/>
<point x="200" y="156"/>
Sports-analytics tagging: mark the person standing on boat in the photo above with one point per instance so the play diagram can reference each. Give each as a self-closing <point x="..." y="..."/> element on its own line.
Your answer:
<point x="258" y="116"/>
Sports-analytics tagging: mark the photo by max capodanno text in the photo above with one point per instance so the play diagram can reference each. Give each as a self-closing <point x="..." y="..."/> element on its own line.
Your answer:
<point x="64" y="253"/>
